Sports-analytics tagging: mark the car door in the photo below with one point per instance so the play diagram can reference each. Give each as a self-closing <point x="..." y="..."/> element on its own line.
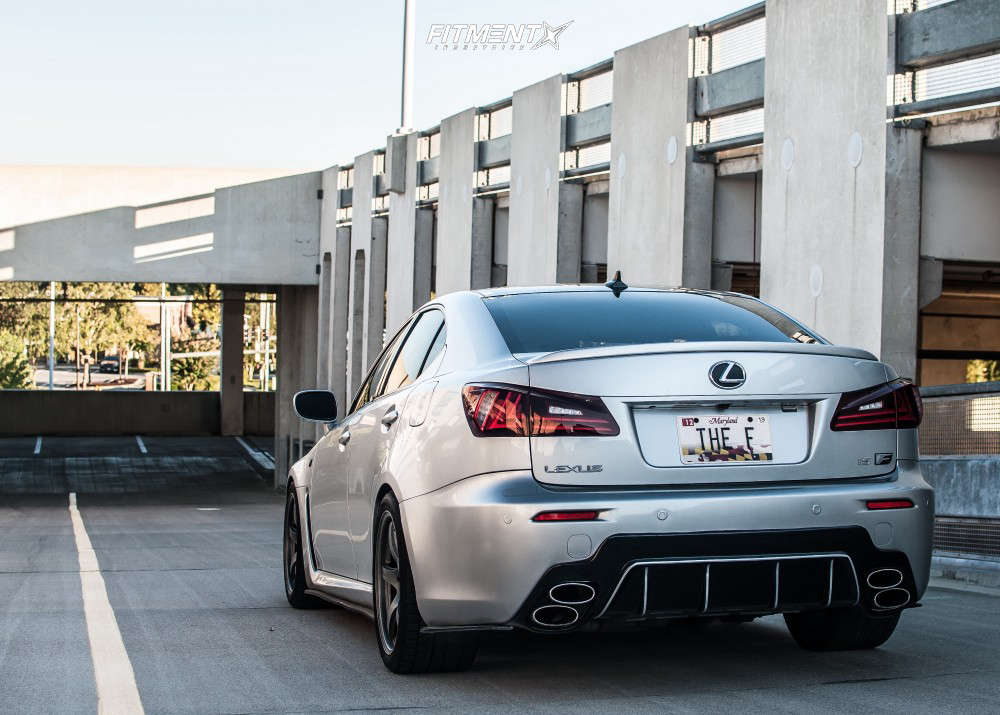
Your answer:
<point x="328" y="504"/>
<point x="377" y="426"/>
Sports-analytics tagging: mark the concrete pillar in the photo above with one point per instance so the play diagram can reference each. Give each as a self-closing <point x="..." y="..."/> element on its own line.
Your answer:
<point x="423" y="256"/>
<point x="465" y="223"/>
<point x="901" y="262"/>
<point x="660" y="198"/>
<point x="231" y="367"/>
<point x="334" y="294"/>
<point x="823" y="225"/>
<point x="297" y="313"/>
<point x="361" y="237"/>
<point x="545" y="223"/>
<point x="375" y="291"/>
<point x="340" y="312"/>
<point x="401" y="168"/>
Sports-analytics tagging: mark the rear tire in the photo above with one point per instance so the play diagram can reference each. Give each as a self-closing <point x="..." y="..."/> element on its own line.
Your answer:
<point x="840" y="629"/>
<point x="292" y="559"/>
<point x="402" y="645"/>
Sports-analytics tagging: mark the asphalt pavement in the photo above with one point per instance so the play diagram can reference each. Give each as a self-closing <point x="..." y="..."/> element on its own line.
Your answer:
<point x="187" y="537"/>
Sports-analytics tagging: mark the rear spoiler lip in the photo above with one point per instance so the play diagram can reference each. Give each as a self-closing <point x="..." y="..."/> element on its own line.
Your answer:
<point x="699" y="347"/>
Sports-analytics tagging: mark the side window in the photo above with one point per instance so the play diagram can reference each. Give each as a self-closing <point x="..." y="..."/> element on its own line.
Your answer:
<point x="369" y="390"/>
<point x="412" y="356"/>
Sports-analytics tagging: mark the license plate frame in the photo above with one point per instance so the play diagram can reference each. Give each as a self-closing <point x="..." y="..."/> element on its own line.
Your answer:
<point x="731" y="438"/>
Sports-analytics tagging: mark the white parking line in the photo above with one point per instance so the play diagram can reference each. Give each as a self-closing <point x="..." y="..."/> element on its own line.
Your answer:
<point x="113" y="674"/>
<point x="38" y="444"/>
<point x="142" y="445"/>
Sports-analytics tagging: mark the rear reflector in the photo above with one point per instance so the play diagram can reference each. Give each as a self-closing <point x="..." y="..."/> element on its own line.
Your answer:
<point x="876" y="505"/>
<point x="893" y="405"/>
<point x="566" y="516"/>
<point x="507" y="410"/>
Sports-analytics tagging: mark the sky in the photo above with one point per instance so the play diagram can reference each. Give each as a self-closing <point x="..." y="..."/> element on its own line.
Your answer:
<point x="289" y="83"/>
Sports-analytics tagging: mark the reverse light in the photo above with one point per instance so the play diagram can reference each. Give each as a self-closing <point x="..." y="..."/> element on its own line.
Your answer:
<point x="880" y="504"/>
<point x="506" y="410"/>
<point x="893" y="405"/>
<point x="588" y="515"/>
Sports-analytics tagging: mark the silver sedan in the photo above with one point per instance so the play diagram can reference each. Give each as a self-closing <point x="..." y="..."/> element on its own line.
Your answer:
<point x="561" y="458"/>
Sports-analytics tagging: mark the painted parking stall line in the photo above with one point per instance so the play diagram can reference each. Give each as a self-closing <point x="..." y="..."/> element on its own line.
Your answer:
<point x="116" y="688"/>
<point x="38" y="445"/>
<point x="142" y="445"/>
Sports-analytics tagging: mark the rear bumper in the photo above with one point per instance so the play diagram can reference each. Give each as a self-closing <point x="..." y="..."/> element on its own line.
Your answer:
<point x="478" y="559"/>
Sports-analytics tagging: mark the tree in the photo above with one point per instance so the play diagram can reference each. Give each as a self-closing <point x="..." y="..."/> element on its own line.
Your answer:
<point x="16" y="372"/>
<point x="982" y="371"/>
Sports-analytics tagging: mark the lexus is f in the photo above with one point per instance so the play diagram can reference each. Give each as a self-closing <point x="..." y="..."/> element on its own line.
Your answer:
<point x="568" y="457"/>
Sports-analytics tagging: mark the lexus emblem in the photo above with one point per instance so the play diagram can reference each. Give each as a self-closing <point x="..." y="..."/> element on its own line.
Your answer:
<point x="727" y="374"/>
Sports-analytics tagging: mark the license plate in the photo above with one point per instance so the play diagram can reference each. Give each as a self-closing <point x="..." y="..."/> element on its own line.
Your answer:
<point x="711" y="439"/>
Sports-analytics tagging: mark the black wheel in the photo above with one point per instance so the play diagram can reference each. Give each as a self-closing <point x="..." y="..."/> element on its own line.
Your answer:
<point x="294" y="565"/>
<point x="840" y="629"/>
<point x="404" y="648"/>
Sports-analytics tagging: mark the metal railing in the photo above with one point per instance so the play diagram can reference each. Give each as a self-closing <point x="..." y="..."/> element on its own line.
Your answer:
<point x="961" y="420"/>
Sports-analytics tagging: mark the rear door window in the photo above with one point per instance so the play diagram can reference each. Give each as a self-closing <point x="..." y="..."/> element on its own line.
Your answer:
<point x="412" y="358"/>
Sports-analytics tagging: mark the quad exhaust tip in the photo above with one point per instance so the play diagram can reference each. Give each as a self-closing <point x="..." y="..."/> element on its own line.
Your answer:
<point x="572" y="593"/>
<point x="885" y="578"/>
<point x="890" y="598"/>
<point x="555" y="616"/>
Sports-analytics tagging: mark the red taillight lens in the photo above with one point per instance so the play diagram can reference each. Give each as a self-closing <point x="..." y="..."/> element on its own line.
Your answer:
<point x="566" y="516"/>
<point x="495" y="411"/>
<point x="877" y="504"/>
<point x="504" y="411"/>
<point x="894" y="405"/>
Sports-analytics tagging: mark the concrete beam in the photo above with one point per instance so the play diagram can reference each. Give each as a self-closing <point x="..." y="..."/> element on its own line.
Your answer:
<point x="823" y="244"/>
<point x="946" y="33"/>
<point x="732" y="90"/>
<point x="649" y="164"/>
<point x="592" y="126"/>
<point x="536" y="146"/>
<point x="231" y="364"/>
<point x="266" y="232"/>
<point x="493" y="152"/>
<point x="455" y="212"/>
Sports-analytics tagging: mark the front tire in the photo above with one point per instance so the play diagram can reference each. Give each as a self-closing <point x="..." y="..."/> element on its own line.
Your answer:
<point x="402" y="645"/>
<point x="292" y="558"/>
<point x="840" y="629"/>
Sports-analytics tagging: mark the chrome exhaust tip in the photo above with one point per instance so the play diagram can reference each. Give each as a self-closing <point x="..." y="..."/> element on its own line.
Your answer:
<point x="885" y="578"/>
<point x="891" y="598"/>
<point x="572" y="593"/>
<point x="555" y="616"/>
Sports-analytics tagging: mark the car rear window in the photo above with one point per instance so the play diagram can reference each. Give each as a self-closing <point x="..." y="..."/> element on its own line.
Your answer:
<point x="546" y="322"/>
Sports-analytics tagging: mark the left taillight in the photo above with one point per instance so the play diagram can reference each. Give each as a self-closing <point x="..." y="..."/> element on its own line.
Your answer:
<point x="893" y="405"/>
<point x="505" y="411"/>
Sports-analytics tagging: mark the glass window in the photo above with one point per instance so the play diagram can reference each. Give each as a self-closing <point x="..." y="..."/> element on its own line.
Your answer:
<point x="546" y="322"/>
<point x="369" y="390"/>
<point x="412" y="357"/>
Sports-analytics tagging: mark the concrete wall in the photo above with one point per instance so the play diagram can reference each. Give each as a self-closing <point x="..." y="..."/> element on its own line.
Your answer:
<point x="963" y="486"/>
<point x="265" y="232"/>
<point x="648" y="164"/>
<point x="822" y="245"/>
<point x="536" y="143"/>
<point x="64" y="412"/>
<point x="961" y="213"/>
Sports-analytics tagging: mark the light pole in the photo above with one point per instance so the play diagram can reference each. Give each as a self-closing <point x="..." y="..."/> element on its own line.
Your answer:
<point x="406" y="99"/>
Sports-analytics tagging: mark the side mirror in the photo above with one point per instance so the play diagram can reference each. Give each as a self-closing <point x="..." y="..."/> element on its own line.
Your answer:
<point x="315" y="405"/>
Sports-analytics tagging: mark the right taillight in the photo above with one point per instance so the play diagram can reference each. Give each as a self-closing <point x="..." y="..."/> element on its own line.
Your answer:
<point x="893" y="405"/>
<point x="506" y="410"/>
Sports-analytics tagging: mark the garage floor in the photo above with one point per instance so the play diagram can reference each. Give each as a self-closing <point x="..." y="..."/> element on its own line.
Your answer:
<point x="187" y="537"/>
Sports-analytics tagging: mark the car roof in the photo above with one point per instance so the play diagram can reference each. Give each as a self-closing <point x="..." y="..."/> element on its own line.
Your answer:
<point x="593" y="288"/>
